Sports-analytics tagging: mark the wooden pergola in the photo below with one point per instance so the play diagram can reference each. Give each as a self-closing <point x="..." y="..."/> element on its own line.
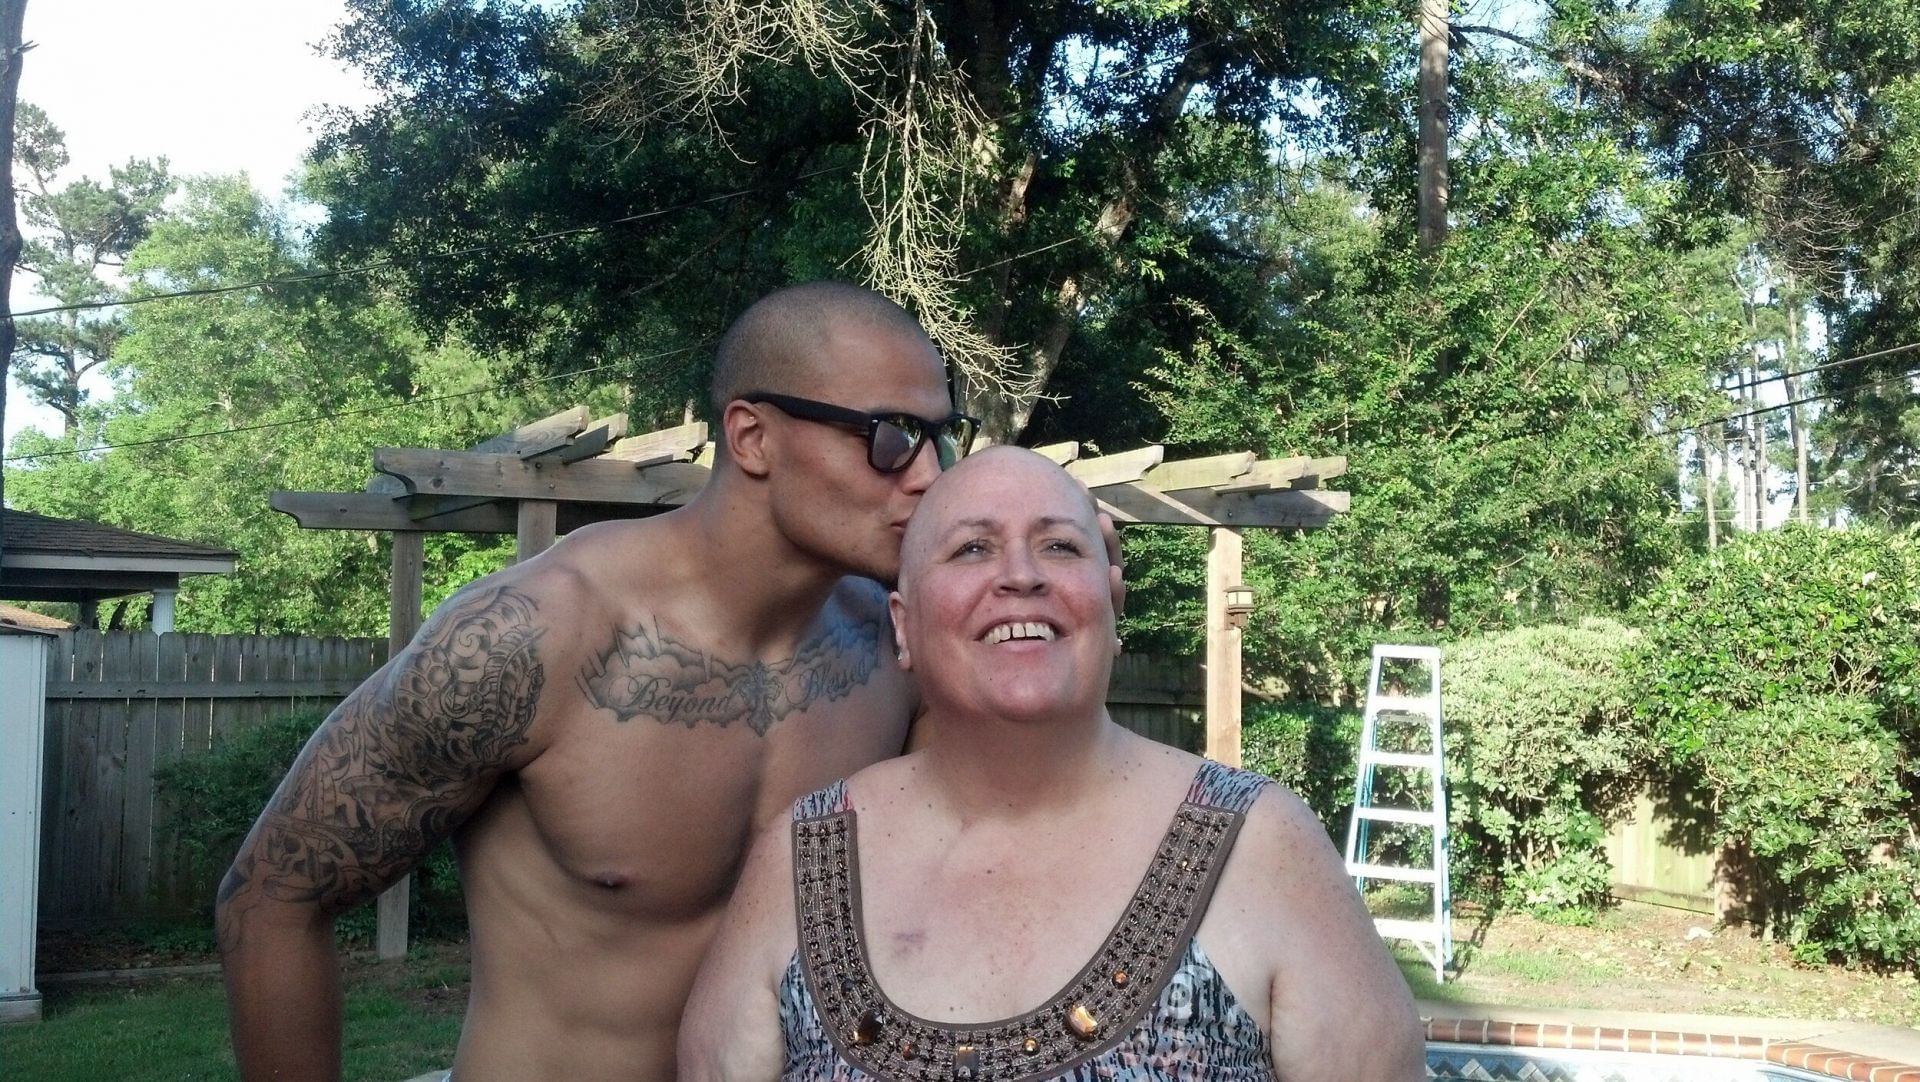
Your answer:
<point x="547" y="478"/>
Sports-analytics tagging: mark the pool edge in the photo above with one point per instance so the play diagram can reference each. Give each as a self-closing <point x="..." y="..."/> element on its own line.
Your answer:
<point x="1573" y="1036"/>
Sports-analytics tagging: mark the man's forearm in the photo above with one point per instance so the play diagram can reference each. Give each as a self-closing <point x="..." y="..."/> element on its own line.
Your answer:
<point x="283" y="995"/>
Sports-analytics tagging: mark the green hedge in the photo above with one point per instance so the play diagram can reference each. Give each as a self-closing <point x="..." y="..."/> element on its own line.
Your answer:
<point x="210" y="801"/>
<point x="1782" y="672"/>
<point x="1542" y="749"/>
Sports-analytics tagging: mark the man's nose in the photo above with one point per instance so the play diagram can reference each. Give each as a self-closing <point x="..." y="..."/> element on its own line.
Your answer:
<point x="923" y="470"/>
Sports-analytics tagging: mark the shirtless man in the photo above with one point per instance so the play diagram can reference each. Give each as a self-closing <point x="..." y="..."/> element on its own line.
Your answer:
<point x="602" y="729"/>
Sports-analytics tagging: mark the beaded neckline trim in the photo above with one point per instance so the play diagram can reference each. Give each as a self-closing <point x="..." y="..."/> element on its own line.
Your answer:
<point x="1094" y="1012"/>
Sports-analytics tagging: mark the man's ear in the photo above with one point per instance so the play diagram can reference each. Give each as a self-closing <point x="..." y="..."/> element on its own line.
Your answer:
<point x="746" y="434"/>
<point x="896" y="611"/>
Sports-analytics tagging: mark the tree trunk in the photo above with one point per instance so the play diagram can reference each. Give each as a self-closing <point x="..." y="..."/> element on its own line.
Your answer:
<point x="1433" y="124"/>
<point x="12" y="14"/>
<point x="1002" y="416"/>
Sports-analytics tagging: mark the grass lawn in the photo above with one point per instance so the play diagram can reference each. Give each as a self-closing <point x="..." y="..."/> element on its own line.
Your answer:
<point x="399" y="1022"/>
<point x="403" y="1019"/>
<point x="1647" y="958"/>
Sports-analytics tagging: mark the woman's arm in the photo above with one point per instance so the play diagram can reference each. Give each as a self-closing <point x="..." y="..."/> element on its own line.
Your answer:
<point x="1340" y="1009"/>
<point x="731" y="1029"/>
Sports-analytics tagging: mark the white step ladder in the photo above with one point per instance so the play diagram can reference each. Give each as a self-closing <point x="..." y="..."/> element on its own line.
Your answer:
<point x="1397" y="708"/>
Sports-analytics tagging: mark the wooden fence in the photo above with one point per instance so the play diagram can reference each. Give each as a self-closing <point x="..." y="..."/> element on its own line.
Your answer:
<point x="121" y="704"/>
<point x="1658" y="857"/>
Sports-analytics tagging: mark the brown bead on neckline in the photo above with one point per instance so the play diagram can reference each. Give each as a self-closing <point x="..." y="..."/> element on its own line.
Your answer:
<point x="1030" y="1046"/>
<point x="1120" y="978"/>
<point x="867" y="1029"/>
<point x="1082" y="1022"/>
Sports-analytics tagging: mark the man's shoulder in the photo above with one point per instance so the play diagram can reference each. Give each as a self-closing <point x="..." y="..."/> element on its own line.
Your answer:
<point x="859" y="597"/>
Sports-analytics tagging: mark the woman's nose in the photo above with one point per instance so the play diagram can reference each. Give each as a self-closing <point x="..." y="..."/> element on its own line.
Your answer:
<point x="1021" y="573"/>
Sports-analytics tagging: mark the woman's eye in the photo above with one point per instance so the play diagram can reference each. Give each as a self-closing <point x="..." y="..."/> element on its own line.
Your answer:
<point x="970" y="548"/>
<point x="1063" y="546"/>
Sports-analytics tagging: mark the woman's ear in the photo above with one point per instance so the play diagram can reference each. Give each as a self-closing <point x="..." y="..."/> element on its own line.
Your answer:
<point x="896" y="611"/>
<point x="745" y="433"/>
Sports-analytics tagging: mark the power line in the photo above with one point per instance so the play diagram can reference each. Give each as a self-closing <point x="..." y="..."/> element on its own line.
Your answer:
<point x="1782" y="405"/>
<point x="338" y="414"/>
<point x="1833" y="364"/>
<point x="382" y="264"/>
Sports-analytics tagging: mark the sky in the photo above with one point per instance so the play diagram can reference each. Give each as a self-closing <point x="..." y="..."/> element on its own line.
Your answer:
<point x="214" y="86"/>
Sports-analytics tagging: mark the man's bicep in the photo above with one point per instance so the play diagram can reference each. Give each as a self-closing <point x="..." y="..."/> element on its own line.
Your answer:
<point x="402" y="762"/>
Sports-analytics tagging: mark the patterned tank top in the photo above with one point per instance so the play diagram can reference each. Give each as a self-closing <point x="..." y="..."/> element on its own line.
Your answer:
<point x="1148" y="1005"/>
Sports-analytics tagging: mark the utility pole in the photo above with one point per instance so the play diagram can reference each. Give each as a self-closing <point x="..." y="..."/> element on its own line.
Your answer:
<point x="1711" y="454"/>
<point x="13" y="14"/>
<point x="1789" y="363"/>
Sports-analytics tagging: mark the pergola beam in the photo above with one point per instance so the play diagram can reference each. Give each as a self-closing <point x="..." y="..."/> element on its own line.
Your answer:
<point x="377" y="511"/>
<point x="507" y="477"/>
<point x="545" y="479"/>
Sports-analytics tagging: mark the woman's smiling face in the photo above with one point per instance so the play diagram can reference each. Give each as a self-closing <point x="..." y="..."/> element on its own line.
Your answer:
<point x="1004" y="609"/>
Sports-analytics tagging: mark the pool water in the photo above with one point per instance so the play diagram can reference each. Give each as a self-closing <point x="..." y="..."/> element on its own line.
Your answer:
<point x="1504" y="1063"/>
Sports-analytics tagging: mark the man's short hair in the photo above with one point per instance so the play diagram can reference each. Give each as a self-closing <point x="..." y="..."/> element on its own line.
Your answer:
<point x="777" y="342"/>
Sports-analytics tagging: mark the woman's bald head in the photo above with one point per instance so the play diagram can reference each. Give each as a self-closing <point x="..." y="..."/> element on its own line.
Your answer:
<point x="979" y="486"/>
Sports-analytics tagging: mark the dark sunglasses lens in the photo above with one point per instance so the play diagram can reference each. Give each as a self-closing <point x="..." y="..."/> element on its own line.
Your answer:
<point x="892" y="445"/>
<point x="953" y="441"/>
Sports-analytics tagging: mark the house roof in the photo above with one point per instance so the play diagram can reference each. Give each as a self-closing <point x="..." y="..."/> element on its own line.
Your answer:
<point x="24" y="531"/>
<point x="31" y="621"/>
<point x="59" y="559"/>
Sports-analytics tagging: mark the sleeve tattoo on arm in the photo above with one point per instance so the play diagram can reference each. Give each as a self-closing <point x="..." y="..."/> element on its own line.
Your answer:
<point x="392" y="771"/>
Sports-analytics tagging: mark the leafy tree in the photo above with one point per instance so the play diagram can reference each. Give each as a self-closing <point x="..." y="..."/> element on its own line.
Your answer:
<point x="1092" y="140"/>
<point x="1782" y="673"/>
<point x="1803" y="118"/>
<point x="309" y="378"/>
<point x="80" y="234"/>
<point x="1531" y="482"/>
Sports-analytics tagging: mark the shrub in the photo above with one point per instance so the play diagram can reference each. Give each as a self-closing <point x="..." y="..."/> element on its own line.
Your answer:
<point x="210" y="801"/>
<point x="1310" y="749"/>
<point x="1543" y="750"/>
<point x="1783" y="672"/>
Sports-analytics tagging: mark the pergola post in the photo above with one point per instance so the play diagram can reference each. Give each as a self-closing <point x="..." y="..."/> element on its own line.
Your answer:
<point x="537" y="526"/>
<point x="409" y="571"/>
<point x="1223" y="648"/>
<point x="163" y="605"/>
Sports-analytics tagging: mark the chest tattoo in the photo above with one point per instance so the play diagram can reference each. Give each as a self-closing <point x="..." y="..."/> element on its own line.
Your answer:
<point x="649" y="674"/>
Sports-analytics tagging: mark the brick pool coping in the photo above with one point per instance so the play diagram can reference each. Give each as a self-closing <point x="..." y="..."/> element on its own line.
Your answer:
<point x="1570" y="1036"/>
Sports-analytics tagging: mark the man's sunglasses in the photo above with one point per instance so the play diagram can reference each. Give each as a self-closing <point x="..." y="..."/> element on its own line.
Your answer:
<point x="893" y="439"/>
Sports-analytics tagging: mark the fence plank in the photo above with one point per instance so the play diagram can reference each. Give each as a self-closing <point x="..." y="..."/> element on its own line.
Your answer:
<point x="228" y="662"/>
<point x="169" y="735"/>
<point x="136" y="820"/>
<point x="197" y="715"/>
<point x="255" y="663"/>
<point x="110" y="772"/>
<point x="81" y="849"/>
<point x="53" y="819"/>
